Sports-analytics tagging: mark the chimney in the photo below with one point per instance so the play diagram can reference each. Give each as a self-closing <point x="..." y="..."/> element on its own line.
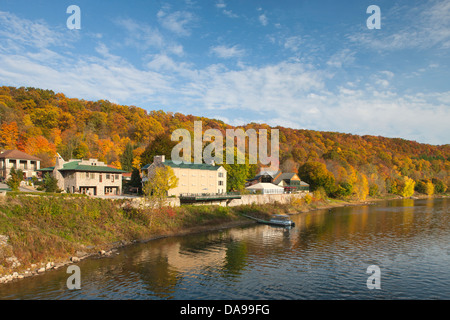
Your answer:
<point x="159" y="159"/>
<point x="59" y="162"/>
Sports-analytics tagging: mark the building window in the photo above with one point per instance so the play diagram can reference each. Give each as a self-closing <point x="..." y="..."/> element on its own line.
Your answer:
<point x="107" y="176"/>
<point x="220" y="183"/>
<point x="220" y="174"/>
<point x="100" y="177"/>
<point x="117" y="177"/>
<point x="111" y="190"/>
<point x="87" y="175"/>
<point x="92" y="175"/>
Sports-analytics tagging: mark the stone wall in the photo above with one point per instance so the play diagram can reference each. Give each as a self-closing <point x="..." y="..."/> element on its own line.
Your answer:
<point x="247" y="199"/>
<point x="265" y="198"/>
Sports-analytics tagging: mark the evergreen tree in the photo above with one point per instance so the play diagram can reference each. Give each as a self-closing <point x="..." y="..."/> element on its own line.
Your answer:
<point x="50" y="183"/>
<point x="14" y="181"/>
<point x="126" y="159"/>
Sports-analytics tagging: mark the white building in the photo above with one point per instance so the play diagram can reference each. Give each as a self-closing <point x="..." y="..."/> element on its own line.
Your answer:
<point x="18" y="160"/>
<point x="266" y="188"/>
<point x="192" y="178"/>
<point x="91" y="177"/>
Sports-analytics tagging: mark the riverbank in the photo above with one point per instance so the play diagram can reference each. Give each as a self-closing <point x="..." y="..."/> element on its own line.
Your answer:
<point x="38" y="234"/>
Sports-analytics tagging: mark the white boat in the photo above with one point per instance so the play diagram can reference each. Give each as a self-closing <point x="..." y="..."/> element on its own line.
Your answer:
<point x="281" y="220"/>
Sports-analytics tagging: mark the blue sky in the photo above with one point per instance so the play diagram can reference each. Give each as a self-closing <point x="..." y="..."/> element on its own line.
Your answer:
<point x="300" y="64"/>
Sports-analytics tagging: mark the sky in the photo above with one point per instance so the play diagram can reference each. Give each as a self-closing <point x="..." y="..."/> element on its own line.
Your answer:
<point x="303" y="64"/>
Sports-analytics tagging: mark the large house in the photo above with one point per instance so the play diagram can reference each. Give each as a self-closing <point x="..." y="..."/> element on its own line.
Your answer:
<point x="18" y="160"/>
<point x="86" y="176"/>
<point x="291" y="182"/>
<point x="264" y="176"/>
<point x="192" y="178"/>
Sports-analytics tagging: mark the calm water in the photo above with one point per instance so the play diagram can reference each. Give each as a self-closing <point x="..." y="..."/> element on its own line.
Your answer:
<point x="325" y="256"/>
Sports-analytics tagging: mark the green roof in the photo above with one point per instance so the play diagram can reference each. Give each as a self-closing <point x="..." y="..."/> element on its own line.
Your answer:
<point x="75" y="166"/>
<point x="200" y="166"/>
<point x="46" y="169"/>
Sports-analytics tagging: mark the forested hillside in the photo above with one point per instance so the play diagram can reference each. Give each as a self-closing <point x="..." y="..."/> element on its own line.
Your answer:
<point x="42" y="122"/>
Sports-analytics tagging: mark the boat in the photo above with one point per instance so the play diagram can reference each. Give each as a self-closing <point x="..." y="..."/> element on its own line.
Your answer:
<point x="281" y="220"/>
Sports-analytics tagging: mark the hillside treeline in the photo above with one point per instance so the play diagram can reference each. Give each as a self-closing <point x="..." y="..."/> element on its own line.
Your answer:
<point x="43" y="123"/>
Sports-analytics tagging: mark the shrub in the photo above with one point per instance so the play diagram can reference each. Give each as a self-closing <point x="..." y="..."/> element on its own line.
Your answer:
<point x="308" y="198"/>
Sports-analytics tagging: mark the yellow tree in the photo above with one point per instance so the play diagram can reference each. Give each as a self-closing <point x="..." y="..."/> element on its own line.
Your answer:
<point x="156" y="189"/>
<point x="361" y="187"/>
<point x="406" y="187"/>
<point x="429" y="188"/>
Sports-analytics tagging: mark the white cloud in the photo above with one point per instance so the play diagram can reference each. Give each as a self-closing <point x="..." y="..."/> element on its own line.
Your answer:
<point x="290" y="93"/>
<point x="141" y="35"/>
<point x="228" y="52"/>
<point x="230" y="14"/>
<point x="341" y="58"/>
<point x="221" y="5"/>
<point x="293" y="43"/>
<point x="177" y="22"/>
<point x="35" y="34"/>
<point x="263" y="19"/>
<point x="420" y="27"/>
<point x="144" y="37"/>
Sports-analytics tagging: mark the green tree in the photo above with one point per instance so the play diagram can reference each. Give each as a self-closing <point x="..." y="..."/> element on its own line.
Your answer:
<point x="317" y="175"/>
<point x="237" y="175"/>
<point x="50" y="183"/>
<point x="439" y="185"/>
<point x="16" y="176"/>
<point x="136" y="181"/>
<point x="343" y="190"/>
<point x="373" y="190"/>
<point x="162" y="145"/>
<point x="126" y="159"/>
<point x="81" y="151"/>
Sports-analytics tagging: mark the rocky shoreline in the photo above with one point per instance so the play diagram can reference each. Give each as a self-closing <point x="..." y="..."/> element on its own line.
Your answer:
<point x="37" y="269"/>
<point x="112" y="248"/>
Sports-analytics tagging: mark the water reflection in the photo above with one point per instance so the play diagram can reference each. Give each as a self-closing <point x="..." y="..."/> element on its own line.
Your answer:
<point x="324" y="256"/>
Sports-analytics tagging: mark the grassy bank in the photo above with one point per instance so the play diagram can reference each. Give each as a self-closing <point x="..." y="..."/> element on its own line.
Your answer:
<point x="35" y="230"/>
<point x="40" y="229"/>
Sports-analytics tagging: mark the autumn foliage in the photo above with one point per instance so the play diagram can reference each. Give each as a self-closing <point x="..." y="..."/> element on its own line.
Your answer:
<point x="42" y="122"/>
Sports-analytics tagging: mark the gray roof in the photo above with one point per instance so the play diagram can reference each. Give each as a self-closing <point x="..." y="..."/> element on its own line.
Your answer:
<point x="284" y="176"/>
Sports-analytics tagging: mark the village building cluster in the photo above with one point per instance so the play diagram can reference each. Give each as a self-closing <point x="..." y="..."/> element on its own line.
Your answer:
<point x="95" y="178"/>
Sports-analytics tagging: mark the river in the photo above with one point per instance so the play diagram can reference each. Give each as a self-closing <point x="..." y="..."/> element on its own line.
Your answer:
<point x="325" y="256"/>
